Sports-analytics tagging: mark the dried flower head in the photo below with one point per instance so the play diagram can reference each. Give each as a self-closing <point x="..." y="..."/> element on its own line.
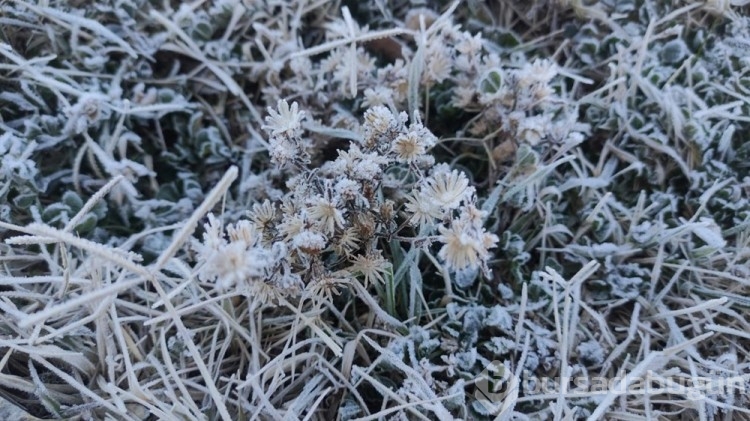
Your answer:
<point x="466" y="244"/>
<point x="408" y="147"/>
<point x="285" y="120"/>
<point x="371" y="266"/>
<point x="422" y="209"/>
<point x="309" y="242"/>
<point x="448" y="189"/>
<point x="327" y="214"/>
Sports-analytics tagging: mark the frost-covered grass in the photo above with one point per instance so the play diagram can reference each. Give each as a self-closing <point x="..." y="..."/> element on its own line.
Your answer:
<point x="323" y="210"/>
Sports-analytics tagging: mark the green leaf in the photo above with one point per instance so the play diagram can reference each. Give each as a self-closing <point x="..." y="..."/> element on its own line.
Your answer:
<point x="54" y="212"/>
<point x="88" y="223"/>
<point x="491" y="81"/>
<point x="73" y="201"/>
<point x="24" y="200"/>
<point x="673" y="52"/>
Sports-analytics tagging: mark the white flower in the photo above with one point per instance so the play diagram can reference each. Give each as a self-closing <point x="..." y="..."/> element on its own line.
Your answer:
<point x="348" y="190"/>
<point x="358" y="165"/>
<point x="466" y="244"/>
<point x="380" y="95"/>
<point x="461" y="249"/>
<point x="310" y="242"/>
<point x="213" y="238"/>
<point x="423" y="210"/>
<point x="408" y="147"/>
<point x="542" y="71"/>
<point x="347" y="242"/>
<point x="367" y="169"/>
<point x="229" y="266"/>
<point x="291" y="225"/>
<point x="463" y="96"/>
<point x="243" y="232"/>
<point x="469" y="44"/>
<point x="439" y="64"/>
<point x="287" y="121"/>
<point x="448" y="189"/>
<point x="378" y="120"/>
<point x="327" y="215"/>
<point x="236" y="262"/>
<point x="381" y="126"/>
<point x="263" y="214"/>
<point x="372" y="266"/>
<point x="424" y="134"/>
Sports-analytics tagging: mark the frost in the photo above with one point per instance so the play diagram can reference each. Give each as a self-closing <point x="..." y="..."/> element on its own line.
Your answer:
<point x="590" y="353"/>
<point x="532" y="362"/>
<point x="600" y="250"/>
<point x="499" y="317"/>
<point x="708" y="231"/>
<point x="500" y="346"/>
<point x="673" y="52"/>
<point x="505" y="292"/>
<point x="16" y="164"/>
<point x="465" y="277"/>
<point x="87" y="111"/>
<point x="317" y="209"/>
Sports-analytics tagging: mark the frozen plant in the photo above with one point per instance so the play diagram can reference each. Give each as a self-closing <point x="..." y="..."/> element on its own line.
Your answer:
<point x="336" y="219"/>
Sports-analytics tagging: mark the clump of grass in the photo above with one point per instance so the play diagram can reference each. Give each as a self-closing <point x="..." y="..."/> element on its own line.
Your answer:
<point x="234" y="210"/>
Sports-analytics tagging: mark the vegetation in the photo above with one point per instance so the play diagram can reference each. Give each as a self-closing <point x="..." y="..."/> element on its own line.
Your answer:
<point x="408" y="209"/>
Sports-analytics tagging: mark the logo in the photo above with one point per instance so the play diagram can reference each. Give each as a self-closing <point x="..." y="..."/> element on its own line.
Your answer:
<point x="495" y="383"/>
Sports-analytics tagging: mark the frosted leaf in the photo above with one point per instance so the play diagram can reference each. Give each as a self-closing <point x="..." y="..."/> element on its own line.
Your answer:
<point x="15" y="163"/>
<point x="590" y="353"/>
<point x="708" y="231"/>
<point x="594" y="183"/>
<point x="473" y="321"/>
<point x="644" y="232"/>
<point x="623" y="286"/>
<point x="600" y="250"/>
<point x="532" y="361"/>
<point x="673" y="52"/>
<point x="725" y="141"/>
<point x="505" y="291"/>
<point x="89" y="110"/>
<point x="457" y="390"/>
<point x="454" y="311"/>
<point x="428" y="346"/>
<point x="421" y="338"/>
<point x="500" y="346"/>
<point x="499" y="317"/>
<point x="491" y="81"/>
<point x="466" y="360"/>
<point x="451" y="331"/>
<point x="398" y="347"/>
<point x="465" y="277"/>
